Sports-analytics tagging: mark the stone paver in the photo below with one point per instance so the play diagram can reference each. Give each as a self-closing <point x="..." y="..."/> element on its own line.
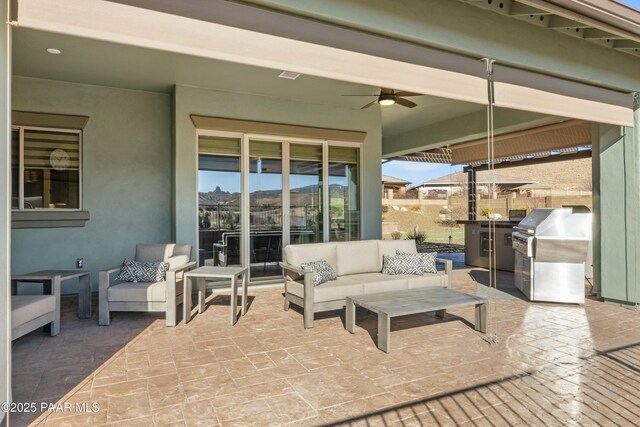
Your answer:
<point x="553" y="365"/>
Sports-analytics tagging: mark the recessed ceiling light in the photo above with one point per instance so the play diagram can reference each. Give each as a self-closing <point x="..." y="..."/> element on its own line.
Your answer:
<point x="290" y="75"/>
<point x="54" y="51"/>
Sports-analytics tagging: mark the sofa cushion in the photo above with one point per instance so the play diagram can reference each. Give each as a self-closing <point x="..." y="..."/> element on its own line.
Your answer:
<point x="335" y="290"/>
<point x="134" y="271"/>
<point x="297" y="254"/>
<point x="426" y="280"/>
<point x="402" y="264"/>
<point x="154" y="252"/>
<point x="28" y="307"/>
<point x="390" y="247"/>
<point x="322" y="271"/>
<point x="377" y="282"/>
<point x="357" y="257"/>
<point x="138" y="292"/>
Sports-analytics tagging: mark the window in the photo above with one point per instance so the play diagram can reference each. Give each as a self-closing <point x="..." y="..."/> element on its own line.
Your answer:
<point x="45" y="169"/>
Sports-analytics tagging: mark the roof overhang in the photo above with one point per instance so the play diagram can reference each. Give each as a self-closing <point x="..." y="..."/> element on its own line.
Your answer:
<point x="239" y="33"/>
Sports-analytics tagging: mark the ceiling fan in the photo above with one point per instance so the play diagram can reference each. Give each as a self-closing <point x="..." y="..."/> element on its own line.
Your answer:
<point x="390" y="97"/>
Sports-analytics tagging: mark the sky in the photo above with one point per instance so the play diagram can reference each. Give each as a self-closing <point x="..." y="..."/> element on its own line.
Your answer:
<point x="633" y="3"/>
<point x="415" y="172"/>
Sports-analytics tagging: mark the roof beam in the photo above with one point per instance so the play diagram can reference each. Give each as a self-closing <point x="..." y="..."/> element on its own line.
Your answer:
<point x="626" y="44"/>
<point x="594" y="33"/>
<point x="560" y="22"/>
<point x="519" y="9"/>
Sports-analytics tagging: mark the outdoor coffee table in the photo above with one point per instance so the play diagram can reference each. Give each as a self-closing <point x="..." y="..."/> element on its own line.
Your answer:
<point x="412" y="301"/>
<point x="203" y="273"/>
<point x="49" y="277"/>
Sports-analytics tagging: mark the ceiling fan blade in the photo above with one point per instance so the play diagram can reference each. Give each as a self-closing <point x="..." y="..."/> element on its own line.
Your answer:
<point x="401" y="93"/>
<point x="370" y="104"/>
<point x="405" y="102"/>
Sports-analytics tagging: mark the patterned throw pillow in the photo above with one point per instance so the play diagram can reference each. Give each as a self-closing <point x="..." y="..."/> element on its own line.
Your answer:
<point x="322" y="271"/>
<point x="134" y="271"/>
<point x="428" y="260"/>
<point x="402" y="264"/>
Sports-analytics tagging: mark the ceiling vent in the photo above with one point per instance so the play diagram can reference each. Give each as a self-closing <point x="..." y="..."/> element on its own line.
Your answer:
<point x="290" y="75"/>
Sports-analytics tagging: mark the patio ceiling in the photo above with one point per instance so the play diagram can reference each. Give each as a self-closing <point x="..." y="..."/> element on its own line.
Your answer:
<point x="109" y="64"/>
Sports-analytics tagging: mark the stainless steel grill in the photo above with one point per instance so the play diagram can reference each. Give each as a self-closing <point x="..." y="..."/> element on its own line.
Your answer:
<point x="551" y="247"/>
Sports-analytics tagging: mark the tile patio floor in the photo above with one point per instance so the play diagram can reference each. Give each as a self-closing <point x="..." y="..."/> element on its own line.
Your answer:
<point x="553" y="365"/>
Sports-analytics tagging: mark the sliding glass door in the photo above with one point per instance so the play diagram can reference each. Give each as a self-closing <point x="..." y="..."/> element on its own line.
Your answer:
<point x="257" y="194"/>
<point x="305" y="194"/>
<point x="265" y="208"/>
<point x="219" y="189"/>
<point x="344" y="193"/>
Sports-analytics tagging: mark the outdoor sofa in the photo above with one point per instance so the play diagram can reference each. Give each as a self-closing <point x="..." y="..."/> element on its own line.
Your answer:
<point x="358" y="266"/>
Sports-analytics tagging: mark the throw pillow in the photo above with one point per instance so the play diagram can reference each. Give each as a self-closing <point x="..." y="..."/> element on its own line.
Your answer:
<point x="428" y="260"/>
<point x="322" y="271"/>
<point x="134" y="271"/>
<point x="402" y="264"/>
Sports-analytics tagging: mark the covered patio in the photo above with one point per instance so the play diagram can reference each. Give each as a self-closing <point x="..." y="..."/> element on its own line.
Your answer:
<point x="224" y="127"/>
<point x="554" y="365"/>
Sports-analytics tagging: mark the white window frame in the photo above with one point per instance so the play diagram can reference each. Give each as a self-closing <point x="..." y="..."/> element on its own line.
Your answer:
<point x="21" y="130"/>
<point x="244" y="174"/>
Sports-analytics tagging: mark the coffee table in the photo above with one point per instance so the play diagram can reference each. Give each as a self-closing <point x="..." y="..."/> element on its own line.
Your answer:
<point x="203" y="273"/>
<point x="53" y="278"/>
<point x="412" y="301"/>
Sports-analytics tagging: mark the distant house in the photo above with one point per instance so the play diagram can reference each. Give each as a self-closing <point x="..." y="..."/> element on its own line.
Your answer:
<point x="391" y="184"/>
<point x="456" y="183"/>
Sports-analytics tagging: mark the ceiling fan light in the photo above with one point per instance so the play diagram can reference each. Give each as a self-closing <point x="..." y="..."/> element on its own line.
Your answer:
<point x="385" y="99"/>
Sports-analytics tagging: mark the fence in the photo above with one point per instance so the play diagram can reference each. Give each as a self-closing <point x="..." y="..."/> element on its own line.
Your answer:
<point x="502" y="205"/>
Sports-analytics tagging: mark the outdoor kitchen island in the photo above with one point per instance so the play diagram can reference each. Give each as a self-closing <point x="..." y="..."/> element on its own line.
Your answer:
<point x="476" y="243"/>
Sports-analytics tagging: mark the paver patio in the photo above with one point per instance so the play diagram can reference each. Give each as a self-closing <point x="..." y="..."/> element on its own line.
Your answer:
<point x="553" y="365"/>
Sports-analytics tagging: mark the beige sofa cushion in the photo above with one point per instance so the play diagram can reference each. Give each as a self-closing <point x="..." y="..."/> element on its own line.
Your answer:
<point x="297" y="254"/>
<point x="330" y="291"/>
<point x="139" y="292"/>
<point x="28" y="307"/>
<point x="427" y="280"/>
<point x="378" y="282"/>
<point x="358" y="257"/>
<point x="389" y="247"/>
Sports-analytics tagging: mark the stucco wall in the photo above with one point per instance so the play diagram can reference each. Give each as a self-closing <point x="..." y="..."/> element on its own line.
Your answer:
<point x="192" y="100"/>
<point x="126" y="176"/>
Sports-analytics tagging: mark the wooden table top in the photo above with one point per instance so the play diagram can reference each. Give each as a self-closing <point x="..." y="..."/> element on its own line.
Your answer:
<point x="413" y="301"/>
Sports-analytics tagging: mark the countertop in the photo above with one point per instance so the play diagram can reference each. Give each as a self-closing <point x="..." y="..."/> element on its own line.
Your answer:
<point x="485" y="222"/>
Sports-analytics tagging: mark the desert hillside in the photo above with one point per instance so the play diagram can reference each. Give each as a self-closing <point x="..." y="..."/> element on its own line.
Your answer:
<point x="565" y="175"/>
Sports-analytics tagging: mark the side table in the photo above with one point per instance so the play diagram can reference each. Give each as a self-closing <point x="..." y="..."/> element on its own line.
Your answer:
<point x="203" y="273"/>
<point x="52" y="279"/>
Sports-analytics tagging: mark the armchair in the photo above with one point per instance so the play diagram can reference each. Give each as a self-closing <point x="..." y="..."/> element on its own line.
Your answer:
<point x="163" y="296"/>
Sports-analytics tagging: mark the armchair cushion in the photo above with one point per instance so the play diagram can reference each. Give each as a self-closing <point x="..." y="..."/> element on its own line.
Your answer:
<point x="28" y="307"/>
<point x="133" y="271"/>
<point x="177" y="261"/>
<point x="138" y="292"/>
<point x="154" y="252"/>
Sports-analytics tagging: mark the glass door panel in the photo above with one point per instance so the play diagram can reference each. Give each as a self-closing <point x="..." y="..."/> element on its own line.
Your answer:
<point x="219" y="183"/>
<point x="305" y="194"/>
<point x="265" y="208"/>
<point x="344" y="193"/>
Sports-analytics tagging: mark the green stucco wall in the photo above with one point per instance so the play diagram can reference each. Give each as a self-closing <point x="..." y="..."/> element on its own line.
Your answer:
<point x="126" y="176"/>
<point x="617" y="212"/>
<point x="192" y="100"/>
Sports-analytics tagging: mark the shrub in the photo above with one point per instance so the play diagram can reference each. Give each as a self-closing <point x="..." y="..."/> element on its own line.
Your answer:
<point x="385" y="209"/>
<point x="396" y="235"/>
<point x="485" y="212"/>
<point x="418" y="236"/>
<point x="416" y="208"/>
